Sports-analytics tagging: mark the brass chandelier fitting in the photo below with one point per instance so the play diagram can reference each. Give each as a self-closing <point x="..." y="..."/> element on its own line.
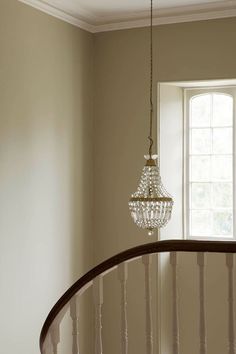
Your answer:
<point x="151" y="205"/>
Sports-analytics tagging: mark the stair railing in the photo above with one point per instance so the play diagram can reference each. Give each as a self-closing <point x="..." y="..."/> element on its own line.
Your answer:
<point x="50" y="334"/>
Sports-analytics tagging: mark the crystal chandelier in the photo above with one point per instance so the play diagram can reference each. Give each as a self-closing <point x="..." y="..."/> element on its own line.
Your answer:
<point x="151" y="205"/>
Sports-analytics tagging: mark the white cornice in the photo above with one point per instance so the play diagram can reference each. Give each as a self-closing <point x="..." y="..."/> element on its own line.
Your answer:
<point x="92" y="23"/>
<point x="51" y="10"/>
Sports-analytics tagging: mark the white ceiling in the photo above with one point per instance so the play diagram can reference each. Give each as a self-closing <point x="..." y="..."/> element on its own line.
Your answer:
<point x="100" y="15"/>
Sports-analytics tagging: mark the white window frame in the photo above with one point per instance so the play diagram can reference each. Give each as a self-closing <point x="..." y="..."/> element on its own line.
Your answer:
<point x="189" y="93"/>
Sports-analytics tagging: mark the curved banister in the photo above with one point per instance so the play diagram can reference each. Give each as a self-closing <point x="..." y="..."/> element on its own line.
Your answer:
<point x="149" y="248"/>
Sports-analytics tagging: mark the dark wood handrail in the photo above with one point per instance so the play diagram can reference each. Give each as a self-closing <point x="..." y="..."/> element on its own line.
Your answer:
<point x="149" y="248"/>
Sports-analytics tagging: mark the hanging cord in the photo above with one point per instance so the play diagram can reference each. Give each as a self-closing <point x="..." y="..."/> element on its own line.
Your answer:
<point x="151" y="83"/>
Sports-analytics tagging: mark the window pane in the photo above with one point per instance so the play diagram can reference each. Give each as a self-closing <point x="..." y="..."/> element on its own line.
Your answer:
<point x="201" y="141"/>
<point x="222" y="140"/>
<point x="222" y="110"/>
<point x="222" y="195"/>
<point x="200" y="111"/>
<point x="222" y="168"/>
<point x="222" y="223"/>
<point x="200" y="168"/>
<point x="201" y="195"/>
<point x="211" y="165"/>
<point x="201" y="222"/>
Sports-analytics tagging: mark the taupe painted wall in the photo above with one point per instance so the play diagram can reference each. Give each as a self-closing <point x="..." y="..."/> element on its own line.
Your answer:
<point x="46" y="169"/>
<point x="54" y="148"/>
<point x="188" y="51"/>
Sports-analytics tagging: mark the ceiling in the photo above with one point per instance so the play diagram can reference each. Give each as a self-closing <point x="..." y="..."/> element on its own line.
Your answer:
<point x="104" y="15"/>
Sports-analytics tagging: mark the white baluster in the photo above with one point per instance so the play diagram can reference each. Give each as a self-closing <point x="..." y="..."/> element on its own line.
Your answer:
<point x="173" y="262"/>
<point x="149" y="330"/>
<point x="123" y="276"/>
<point x="55" y="336"/>
<point x="74" y="313"/>
<point x="202" y="319"/>
<point x="158" y="302"/>
<point x="98" y="301"/>
<point x="231" y="307"/>
<point x="47" y="346"/>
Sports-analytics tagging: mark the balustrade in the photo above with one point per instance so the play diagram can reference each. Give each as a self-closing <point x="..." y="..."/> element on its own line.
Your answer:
<point x="94" y="279"/>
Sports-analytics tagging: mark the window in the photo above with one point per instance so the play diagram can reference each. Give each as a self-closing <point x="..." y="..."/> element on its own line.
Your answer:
<point x="197" y="148"/>
<point x="209" y="161"/>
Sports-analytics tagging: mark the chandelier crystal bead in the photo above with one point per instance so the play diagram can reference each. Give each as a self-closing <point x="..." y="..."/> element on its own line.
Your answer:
<point x="151" y="205"/>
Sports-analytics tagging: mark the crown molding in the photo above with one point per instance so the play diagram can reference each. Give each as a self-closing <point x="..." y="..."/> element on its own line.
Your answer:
<point x="165" y="20"/>
<point x="61" y="15"/>
<point x="94" y="24"/>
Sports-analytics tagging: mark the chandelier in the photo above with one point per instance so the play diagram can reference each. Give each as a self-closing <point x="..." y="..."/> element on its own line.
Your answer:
<point x="151" y="205"/>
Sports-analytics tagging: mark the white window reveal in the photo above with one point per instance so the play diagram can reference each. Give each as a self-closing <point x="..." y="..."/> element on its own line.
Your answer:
<point x="197" y="148"/>
<point x="209" y="162"/>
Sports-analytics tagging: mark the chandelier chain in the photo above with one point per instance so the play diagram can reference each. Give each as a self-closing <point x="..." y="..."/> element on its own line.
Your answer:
<point x="151" y="205"/>
<point x="151" y="80"/>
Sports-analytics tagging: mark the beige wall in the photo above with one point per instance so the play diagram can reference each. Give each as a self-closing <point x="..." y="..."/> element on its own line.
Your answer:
<point x="53" y="149"/>
<point x="46" y="169"/>
<point x="188" y="51"/>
